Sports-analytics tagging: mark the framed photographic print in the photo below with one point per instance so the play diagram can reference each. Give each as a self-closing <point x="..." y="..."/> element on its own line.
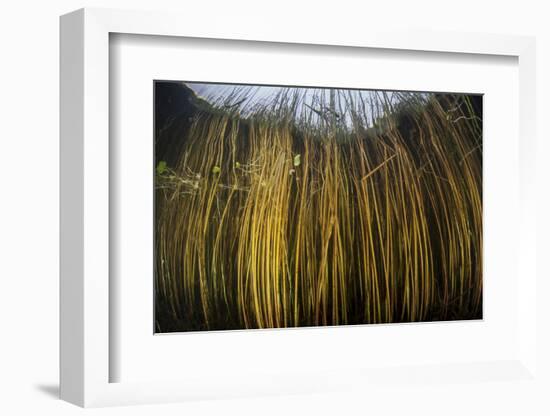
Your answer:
<point x="271" y="214"/>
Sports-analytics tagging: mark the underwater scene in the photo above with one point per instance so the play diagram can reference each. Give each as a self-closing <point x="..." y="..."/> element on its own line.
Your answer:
<point x="285" y="206"/>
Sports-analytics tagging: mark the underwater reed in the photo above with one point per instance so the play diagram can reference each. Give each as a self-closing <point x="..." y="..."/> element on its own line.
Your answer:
<point x="339" y="210"/>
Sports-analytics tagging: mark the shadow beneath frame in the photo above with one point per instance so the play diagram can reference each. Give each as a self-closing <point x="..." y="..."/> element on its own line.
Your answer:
<point x="51" y="390"/>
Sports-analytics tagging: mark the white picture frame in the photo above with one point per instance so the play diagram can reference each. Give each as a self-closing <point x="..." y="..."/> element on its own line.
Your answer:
<point x="85" y="355"/>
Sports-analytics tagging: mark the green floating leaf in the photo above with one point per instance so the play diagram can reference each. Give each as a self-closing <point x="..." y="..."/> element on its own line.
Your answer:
<point x="161" y="167"/>
<point x="216" y="169"/>
<point x="297" y="160"/>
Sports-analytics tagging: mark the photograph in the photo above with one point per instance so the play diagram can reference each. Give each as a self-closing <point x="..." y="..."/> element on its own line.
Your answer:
<point x="283" y="206"/>
<point x="244" y="208"/>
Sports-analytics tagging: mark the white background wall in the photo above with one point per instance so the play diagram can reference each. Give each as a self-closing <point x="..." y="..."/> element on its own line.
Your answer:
<point x="29" y="179"/>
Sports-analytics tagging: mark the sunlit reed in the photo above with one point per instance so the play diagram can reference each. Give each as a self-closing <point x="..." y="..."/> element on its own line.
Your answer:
<point x="339" y="210"/>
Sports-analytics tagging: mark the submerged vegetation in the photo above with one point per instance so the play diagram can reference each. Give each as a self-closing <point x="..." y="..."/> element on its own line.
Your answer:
<point x="316" y="207"/>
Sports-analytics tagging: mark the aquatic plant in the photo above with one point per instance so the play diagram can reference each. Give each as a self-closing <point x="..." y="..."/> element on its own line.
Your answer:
<point x="319" y="207"/>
